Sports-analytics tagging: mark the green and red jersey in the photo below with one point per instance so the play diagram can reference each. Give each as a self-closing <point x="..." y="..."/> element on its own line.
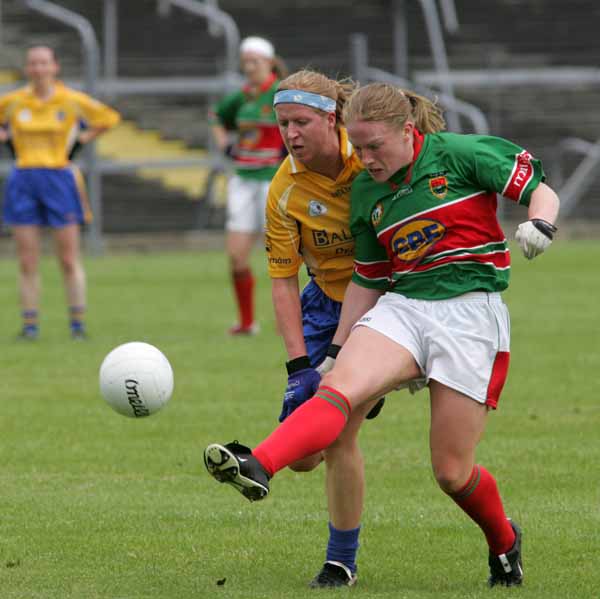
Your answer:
<point x="431" y="231"/>
<point x="259" y="149"/>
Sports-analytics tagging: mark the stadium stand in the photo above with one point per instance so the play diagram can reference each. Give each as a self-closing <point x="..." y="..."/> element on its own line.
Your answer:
<point x="498" y="34"/>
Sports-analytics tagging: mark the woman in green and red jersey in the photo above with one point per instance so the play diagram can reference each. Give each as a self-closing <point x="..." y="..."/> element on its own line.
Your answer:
<point x="257" y="153"/>
<point x="430" y="263"/>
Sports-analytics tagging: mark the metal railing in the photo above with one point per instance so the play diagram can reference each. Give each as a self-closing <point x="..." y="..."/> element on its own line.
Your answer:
<point x="363" y="72"/>
<point x="216" y="16"/>
<point x="438" y="52"/>
<point x="546" y="77"/>
<point x="572" y="190"/>
<point x="433" y="25"/>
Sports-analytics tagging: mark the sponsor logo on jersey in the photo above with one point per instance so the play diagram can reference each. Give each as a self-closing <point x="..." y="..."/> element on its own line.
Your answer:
<point x="324" y="238"/>
<point x="402" y="191"/>
<point x="377" y="214"/>
<point x="279" y="260"/>
<point x="439" y="186"/>
<point x="341" y="191"/>
<point x="520" y="177"/>
<point x="316" y="208"/>
<point x="415" y="239"/>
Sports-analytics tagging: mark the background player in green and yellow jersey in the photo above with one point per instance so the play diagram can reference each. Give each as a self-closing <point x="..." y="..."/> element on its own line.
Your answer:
<point x="308" y="212"/>
<point x="43" y="121"/>
<point x="430" y="263"/>
<point x="257" y="153"/>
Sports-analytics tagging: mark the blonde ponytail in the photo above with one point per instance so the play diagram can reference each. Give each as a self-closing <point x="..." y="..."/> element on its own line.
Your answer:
<point x="385" y="102"/>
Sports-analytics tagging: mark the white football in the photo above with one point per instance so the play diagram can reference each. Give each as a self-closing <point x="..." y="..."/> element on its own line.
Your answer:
<point x="136" y="379"/>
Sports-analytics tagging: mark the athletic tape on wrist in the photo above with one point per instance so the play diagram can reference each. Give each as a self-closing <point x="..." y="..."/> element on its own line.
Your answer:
<point x="297" y="364"/>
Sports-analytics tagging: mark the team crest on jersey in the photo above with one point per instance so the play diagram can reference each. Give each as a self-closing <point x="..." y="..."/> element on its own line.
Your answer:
<point x="377" y="214"/>
<point x="248" y="138"/>
<point x="316" y="208"/>
<point x="439" y="186"/>
<point x="24" y="115"/>
<point x="60" y="115"/>
<point x="413" y="240"/>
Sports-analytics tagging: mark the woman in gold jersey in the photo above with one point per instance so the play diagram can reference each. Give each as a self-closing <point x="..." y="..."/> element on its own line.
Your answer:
<point x="308" y="212"/>
<point x="43" y="121"/>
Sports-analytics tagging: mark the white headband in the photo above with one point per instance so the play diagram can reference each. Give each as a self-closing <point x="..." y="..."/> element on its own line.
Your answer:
<point x="258" y="45"/>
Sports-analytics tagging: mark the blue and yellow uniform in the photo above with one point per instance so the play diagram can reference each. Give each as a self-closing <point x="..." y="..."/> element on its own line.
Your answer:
<point x="42" y="188"/>
<point x="308" y="221"/>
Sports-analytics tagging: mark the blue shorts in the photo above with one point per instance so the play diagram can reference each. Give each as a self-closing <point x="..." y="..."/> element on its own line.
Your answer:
<point x="42" y="196"/>
<point x="320" y="318"/>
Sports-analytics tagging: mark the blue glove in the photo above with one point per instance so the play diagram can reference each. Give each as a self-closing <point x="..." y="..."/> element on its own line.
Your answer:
<point x="303" y="382"/>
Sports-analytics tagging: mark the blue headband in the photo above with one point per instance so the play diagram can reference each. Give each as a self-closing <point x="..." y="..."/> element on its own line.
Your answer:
<point x="297" y="96"/>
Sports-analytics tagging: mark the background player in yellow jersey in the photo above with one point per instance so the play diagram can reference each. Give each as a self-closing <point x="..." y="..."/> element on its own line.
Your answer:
<point x="43" y="122"/>
<point x="308" y="212"/>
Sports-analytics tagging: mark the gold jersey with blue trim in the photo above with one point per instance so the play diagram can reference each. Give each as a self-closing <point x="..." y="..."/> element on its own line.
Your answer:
<point x="43" y="131"/>
<point x="308" y="216"/>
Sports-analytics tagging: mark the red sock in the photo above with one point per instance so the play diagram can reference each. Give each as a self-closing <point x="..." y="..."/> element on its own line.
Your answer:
<point x="314" y="426"/>
<point x="480" y="499"/>
<point x="243" y="284"/>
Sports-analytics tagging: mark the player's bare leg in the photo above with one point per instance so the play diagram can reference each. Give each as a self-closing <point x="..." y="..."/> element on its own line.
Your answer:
<point x="68" y="251"/>
<point x="28" y="242"/>
<point x="239" y="249"/>
<point x="317" y="423"/>
<point x="457" y="425"/>
<point x="384" y="365"/>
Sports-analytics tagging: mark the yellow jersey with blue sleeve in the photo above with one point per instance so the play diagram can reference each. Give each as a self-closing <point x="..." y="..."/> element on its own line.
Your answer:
<point x="308" y="216"/>
<point x="43" y="131"/>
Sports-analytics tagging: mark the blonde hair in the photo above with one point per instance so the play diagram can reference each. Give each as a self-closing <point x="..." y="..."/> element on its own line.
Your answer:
<point x="385" y="102"/>
<point x="317" y="83"/>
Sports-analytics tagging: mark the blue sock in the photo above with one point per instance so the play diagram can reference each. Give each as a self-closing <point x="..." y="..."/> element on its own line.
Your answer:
<point x="30" y="322"/>
<point x="342" y="546"/>
<point x="76" y="325"/>
<point x="76" y="318"/>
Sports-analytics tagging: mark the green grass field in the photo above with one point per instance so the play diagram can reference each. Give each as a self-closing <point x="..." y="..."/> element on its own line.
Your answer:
<point x="96" y="505"/>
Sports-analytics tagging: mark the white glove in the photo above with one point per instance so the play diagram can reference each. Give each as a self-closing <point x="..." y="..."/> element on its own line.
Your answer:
<point x="534" y="236"/>
<point x="325" y="366"/>
<point x="329" y="362"/>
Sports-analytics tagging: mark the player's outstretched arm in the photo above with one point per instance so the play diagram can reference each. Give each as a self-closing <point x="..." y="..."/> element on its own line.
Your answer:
<point x="535" y="235"/>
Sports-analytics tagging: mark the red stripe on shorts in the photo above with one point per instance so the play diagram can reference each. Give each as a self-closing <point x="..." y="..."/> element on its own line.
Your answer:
<point x="498" y="378"/>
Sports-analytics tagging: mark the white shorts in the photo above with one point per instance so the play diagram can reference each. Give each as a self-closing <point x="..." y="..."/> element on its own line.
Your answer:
<point x="463" y="342"/>
<point x="246" y="204"/>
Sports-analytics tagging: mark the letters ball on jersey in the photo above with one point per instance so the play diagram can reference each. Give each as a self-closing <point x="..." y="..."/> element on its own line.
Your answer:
<point x="136" y="379"/>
